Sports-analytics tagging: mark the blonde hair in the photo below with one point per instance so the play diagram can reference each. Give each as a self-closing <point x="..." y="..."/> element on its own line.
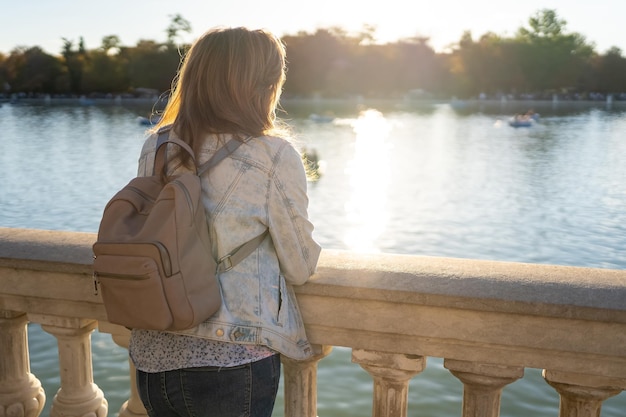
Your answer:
<point x="229" y="82"/>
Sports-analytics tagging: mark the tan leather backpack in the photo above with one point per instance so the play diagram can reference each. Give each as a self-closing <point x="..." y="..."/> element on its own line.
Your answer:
<point x="152" y="257"/>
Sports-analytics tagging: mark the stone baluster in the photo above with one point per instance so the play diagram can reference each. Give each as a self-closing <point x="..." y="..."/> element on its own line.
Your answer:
<point x="21" y="393"/>
<point x="121" y="336"/>
<point x="582" y="395"/>
<point x="482" y="385"/>
<point x="391" y="373"/>
<point x="78" y="395"/>
<point x="300" y="382"/>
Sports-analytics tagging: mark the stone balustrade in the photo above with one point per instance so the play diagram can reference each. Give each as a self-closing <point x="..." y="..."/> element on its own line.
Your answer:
<point x="487" y="320"/>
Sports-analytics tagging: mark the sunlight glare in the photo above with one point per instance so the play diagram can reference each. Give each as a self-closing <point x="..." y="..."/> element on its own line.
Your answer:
<point x="369" y="179"/>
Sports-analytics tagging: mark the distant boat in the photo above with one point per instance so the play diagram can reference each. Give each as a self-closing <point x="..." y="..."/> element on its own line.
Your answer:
<point x="148" y="121"/>
<point x="515" y="122"/>
<point x="526" y="120"/>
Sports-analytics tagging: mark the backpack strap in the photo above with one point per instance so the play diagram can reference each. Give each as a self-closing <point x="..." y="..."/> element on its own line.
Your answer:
<point x="226" y="263"/>
<point x="160" y="155"/>
<point x="161" y="151"/>
<point x="220" y="154"/>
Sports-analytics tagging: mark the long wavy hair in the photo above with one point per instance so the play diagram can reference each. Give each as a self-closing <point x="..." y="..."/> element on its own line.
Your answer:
<point x="229" y="82"/>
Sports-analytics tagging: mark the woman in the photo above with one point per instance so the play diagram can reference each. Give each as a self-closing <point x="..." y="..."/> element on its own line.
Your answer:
<point x="228" y="87"/>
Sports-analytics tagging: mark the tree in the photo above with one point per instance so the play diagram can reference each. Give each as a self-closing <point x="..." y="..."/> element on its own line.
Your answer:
<point x="4" y="79"/>
<point x="151" y="65"/>
<point x="544" y="24"/>
<point x="110" y="42"/>
<point x="478" y="65"/>
<point x="74" y="63"/>
<point x="177" y="24"/>
<point x="552" y="58"/>
<point x="312" y="60"/>
<point x="415" y="65"/>
<point x="32" y="70"/>
<point x="105" y="73"/>
<point x="609" y="72"/>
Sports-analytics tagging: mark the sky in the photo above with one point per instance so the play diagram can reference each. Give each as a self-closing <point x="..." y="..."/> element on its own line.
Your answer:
<point x="45" y="23"/>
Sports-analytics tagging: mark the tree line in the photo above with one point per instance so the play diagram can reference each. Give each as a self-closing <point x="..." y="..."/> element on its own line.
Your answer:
<point x="539" y="60"/>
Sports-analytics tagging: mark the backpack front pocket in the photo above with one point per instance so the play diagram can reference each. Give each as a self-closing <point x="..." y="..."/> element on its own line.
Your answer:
<point x="133" y="291"/>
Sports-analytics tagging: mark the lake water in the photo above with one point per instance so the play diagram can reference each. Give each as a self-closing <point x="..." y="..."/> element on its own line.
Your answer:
<point x="429" y="179"/>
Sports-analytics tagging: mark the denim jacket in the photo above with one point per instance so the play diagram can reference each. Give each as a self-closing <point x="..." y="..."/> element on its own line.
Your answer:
<point x="262" y="185"/>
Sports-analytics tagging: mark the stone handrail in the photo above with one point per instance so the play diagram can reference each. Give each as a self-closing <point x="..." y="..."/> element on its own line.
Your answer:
<point x="488" y="320"/>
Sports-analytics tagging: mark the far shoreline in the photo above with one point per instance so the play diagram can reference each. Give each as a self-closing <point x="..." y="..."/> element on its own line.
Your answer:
<point x="155" y="103"/>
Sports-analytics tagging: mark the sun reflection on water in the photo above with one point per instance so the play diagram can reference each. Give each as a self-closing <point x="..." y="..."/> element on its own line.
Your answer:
<point x="366" y="207"/>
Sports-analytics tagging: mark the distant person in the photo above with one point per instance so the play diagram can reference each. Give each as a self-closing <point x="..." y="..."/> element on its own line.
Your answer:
<point x="524" y="117"/>
<point x="228" y="87"/>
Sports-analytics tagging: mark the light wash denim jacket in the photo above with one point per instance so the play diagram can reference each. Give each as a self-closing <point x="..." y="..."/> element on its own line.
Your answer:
<point x="261" y="185"/>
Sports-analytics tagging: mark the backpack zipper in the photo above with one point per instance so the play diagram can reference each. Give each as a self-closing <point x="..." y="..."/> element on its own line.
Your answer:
<point x="96" y="279"/>
<point x="141" y="193"/>
<point x="187" y="196"/>
<point x="165" y="258"/>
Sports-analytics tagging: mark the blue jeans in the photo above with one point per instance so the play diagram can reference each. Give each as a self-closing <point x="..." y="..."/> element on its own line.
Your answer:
<point x="241" y="391"/>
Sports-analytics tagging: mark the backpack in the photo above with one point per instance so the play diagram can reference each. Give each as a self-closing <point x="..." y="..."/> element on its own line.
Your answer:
<point x="152" y="257"/>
